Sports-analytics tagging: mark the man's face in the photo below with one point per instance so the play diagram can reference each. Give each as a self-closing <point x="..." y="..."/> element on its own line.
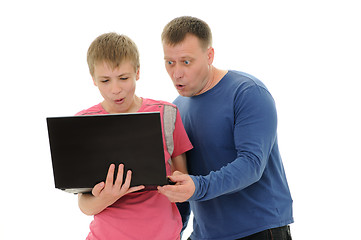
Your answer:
<point x="188" y="65"/>
<point x="117" y="86"/>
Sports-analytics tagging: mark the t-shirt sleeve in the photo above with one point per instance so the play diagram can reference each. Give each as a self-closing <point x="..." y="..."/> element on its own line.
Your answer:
<point x="82" y="112"/>
<point x="181" y="141"/>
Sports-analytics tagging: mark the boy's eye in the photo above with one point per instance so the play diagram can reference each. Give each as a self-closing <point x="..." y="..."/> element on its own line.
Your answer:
<point x="187" y="62"/>
<point x="105" y="81"/>
<point x="123" y="78"/>
<point x="169" y="62"/>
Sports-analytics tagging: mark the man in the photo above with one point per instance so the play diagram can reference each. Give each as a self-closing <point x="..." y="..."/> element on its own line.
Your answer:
<point x="237" y="187"/>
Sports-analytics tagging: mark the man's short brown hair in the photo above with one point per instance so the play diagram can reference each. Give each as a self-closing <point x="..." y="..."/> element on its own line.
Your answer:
<point x="113" y="49"/>
<point x="177" y="29"/>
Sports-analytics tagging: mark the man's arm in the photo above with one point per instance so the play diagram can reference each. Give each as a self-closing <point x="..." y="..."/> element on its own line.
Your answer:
<point x="106" y="193"/>
<point x="254" y="135"/>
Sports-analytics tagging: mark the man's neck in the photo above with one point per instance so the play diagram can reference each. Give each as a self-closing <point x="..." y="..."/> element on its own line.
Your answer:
<point x="215" y="76"/>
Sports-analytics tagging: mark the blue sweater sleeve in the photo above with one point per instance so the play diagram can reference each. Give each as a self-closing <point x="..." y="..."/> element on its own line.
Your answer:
<point x="255" y="126"/>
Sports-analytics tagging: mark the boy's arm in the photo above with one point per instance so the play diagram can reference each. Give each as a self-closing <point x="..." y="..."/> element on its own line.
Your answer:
<point x="179" y="163"/>
<point x="106" y="193"/>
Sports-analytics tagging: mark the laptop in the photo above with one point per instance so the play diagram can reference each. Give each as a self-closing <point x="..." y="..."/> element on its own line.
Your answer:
<point x="83" y="147"/>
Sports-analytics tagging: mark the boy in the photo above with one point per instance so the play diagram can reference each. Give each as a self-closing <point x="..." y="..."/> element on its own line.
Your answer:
<point x="120" y="212"/>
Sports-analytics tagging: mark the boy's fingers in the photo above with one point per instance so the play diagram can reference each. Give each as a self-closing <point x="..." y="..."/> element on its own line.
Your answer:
<point x="110" y="175"/>
<point x="134" y="189"/>
<point x="119" y="179"/>
<point x="128" y="179"/>
<point x="97" y="189"/>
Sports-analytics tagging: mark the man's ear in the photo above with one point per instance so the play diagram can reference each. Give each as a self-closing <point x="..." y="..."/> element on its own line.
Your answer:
<point x="210" y="55"/>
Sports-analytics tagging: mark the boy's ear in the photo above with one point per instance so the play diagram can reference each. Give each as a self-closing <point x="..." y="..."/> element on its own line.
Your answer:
<point x="95" y="83"/>
<point x="137" y="74"/>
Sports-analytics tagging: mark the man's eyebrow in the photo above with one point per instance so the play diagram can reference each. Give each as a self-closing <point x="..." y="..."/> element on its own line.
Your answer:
<point x="187" y="57"/>
<point x="183" y="57"/>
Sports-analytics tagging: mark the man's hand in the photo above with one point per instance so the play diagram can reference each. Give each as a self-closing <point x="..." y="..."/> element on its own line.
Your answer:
<point x="181" y="191"/>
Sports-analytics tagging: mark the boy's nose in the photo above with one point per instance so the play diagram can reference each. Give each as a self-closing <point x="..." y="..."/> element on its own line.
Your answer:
<point x="116" y="88"/>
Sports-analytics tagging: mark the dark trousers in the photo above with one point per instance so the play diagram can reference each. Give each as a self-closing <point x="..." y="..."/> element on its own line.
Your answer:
<point x="280" y="233"/>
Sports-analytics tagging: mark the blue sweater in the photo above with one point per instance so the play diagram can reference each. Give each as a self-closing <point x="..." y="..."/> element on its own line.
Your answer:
<point x="241" y="186"/>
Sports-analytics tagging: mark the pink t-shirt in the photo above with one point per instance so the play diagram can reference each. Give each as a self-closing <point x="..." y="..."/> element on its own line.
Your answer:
<point x="142" y="215"/>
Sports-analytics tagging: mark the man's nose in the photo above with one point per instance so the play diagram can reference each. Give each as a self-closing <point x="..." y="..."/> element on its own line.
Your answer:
<point x="178" y="72"/>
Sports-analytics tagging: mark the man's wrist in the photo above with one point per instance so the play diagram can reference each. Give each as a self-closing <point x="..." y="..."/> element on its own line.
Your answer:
<point x="195" y="180"/>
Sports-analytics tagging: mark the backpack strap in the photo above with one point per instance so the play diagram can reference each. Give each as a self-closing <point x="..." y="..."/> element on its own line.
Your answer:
<point x="169" y="118"/>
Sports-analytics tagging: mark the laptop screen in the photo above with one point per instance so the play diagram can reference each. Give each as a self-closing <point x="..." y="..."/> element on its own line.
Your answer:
<point x="83" y="147"/>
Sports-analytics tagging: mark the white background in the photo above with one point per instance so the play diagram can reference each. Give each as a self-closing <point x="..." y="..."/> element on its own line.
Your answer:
<point x="306" y="52"/>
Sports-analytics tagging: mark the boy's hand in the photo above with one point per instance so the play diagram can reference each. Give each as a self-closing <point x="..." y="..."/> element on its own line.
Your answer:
<point x="109" y="192"/>
<point x="106" y="193"/>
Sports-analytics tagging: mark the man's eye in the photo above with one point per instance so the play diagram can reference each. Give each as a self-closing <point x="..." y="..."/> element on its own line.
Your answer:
<point x="169" y="62"/>
<point x="187" y="62"/>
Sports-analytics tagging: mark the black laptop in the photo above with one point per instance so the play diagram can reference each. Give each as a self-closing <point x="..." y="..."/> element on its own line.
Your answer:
<point x="83" y="147"/>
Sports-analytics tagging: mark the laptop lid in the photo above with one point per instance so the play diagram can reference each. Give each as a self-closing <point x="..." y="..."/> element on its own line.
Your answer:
<point x="83" y="147"/>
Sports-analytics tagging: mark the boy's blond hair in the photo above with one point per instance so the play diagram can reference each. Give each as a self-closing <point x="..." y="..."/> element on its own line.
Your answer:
<point x="113" y="49"/>
<point x="177" y="29"/>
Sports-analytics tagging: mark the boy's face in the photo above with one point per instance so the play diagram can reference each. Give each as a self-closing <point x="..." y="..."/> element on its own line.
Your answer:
<point x="117" y="86"/>
<point x="188" y="65"/>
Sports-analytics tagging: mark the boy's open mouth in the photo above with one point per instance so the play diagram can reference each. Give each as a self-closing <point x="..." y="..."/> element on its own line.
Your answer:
<point x="119" y="101"/>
